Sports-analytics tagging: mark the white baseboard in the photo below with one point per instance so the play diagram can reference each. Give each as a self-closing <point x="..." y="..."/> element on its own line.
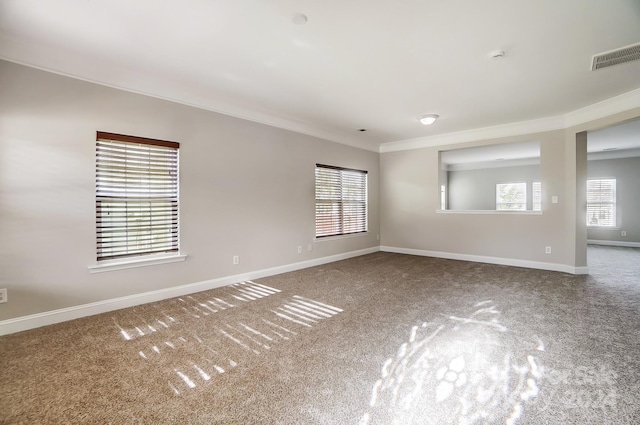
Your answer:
<point x="491" y="260"/>
<point x="56" y="316"/>
<point x="614" y="243"/>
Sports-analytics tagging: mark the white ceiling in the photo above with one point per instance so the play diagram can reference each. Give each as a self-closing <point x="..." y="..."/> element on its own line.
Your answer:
<point x="374" y="64"/>
<point x="619" y="137"/>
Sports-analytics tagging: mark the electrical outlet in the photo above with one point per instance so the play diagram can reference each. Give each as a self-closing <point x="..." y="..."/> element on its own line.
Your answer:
<point x="623" y="233"/>
<point x="378" y="237"/>
<point x="310" y="247"/>
<point x="3" y="295"/>
<point x="300" y="249"/>
<point x="236" y="259"/>
<point x="547" y="250"/>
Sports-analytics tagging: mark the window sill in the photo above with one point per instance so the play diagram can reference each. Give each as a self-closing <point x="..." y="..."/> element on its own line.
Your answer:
<point x="333" y="238"/>
<point x="493" y="212"/>
<point x="110" y="265"/>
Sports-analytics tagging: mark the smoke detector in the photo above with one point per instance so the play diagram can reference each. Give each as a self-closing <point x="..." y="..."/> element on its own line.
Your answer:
<point x="616" y="57"/>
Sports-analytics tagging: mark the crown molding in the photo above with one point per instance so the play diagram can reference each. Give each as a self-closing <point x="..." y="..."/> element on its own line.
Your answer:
<point x="520" y="162"/>
<point x="494" y="132"/>
<point x="605" y="108"/>
<point x="22" y="53"/>
<point x="608" y="107"/>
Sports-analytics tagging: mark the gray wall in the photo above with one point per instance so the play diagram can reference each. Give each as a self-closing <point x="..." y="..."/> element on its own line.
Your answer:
<point x="409" y="201"/>
<point x="410" y="220"/>
<point x="476" y="189"/>
<point x="626" y="171"/>
<point x="246" y="189"/>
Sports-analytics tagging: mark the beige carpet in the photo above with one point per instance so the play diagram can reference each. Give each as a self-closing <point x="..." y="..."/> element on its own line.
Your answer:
<point x="379" y="339"/>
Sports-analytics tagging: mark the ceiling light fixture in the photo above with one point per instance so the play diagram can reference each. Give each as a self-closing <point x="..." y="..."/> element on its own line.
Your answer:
<point x="428" y="119"/>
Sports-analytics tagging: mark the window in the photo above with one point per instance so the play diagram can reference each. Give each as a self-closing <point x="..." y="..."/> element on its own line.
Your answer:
<point x="536" y="191"/>
<point x="511" y="196"/>
<point x="136" y="196"/>
<point x="601" y="202"/>
<point x="341" y="201"/>
<point x="470" y="175"/>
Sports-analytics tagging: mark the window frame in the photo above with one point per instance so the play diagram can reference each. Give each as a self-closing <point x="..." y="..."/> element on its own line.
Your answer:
<point x="602" y="203"/>
<point x="146" y="200"/>
<point x="335" y="223"/>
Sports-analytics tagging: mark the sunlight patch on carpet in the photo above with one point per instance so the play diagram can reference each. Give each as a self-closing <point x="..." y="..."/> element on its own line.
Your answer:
<point x="192" y="358"/>
<point x="456" y="370"/>
<point x="196" y="306"/>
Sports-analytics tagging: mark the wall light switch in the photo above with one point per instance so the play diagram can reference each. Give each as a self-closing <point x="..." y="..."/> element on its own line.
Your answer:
<point x="554" y="199"/>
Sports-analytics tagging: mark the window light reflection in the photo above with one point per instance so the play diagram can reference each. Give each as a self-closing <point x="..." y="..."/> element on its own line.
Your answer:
<point x="186" y="379"/>
<point x="459" y="369"/>
<point x="228" y="344"/>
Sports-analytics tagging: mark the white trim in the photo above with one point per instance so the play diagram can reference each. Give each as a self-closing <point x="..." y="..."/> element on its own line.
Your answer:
<point x="336" y="237"/>
<point x="129" y="263"/>
<point x="613" y="243"/>
<point x="494" y="132"/>
<point x="231" y="109"/>
<point x="491" y="212"/>
<point x="20" y="52"/>
<point x="484" y="165"/>
<point x="32" y="321"/>
<point x="605" y="108"/>
<point x="491" y="260"/>
<point x="580" y="270"/>
<point x="611" y="106"/>
<point x="617" y="154"/>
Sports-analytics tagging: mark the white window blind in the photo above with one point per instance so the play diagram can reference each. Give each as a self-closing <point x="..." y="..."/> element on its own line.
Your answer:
<point x="601" y="202"/>
<point x="511" y="196"/>
<point x="341" y="201"/>
<point x="536" y="188"/>
<point x="136" y="196"/>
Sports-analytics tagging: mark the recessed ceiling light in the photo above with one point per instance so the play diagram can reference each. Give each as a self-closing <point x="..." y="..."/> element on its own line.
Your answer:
<point x="362" y="129"/>
<point x="428" y="119"/>
<point x="299" y="19"/>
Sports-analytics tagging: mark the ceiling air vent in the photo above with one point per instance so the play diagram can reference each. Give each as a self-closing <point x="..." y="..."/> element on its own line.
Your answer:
<point x="616" y="57"/>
